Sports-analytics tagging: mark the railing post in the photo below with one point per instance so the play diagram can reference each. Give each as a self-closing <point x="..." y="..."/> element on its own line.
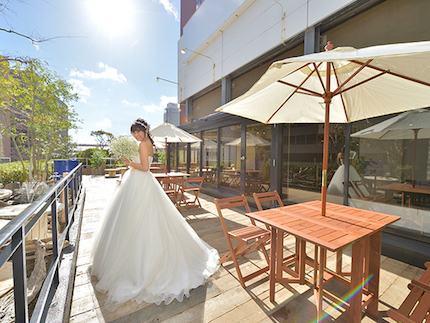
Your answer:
<point x="20" y="276"/>
<point x="66" y="208"/>
<point x="54" y="222"/>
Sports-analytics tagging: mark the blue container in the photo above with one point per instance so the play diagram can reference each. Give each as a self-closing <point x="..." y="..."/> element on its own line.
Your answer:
<point x="73" y="164"/>
<point x="64" y="166"/>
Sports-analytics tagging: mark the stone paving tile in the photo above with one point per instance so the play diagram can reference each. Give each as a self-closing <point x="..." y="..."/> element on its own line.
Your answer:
<point x="222" y="299"/>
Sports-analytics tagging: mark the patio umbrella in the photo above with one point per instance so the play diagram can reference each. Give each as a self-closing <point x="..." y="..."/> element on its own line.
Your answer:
<point x="342" y="85"/>
<point x="251" y="140"/>
<point x="408" y="125"/>
<point x="169" y="133"/>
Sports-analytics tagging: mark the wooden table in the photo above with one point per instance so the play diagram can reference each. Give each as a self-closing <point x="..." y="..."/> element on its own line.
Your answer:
<point x="341" y="227"/>
<point x="404" y="188"/>
<point x="160" y="176"/>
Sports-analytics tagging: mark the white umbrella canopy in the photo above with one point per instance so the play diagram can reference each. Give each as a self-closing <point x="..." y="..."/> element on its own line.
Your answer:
<point x="339" y="86"/>
<point x="172" y="134"/>
<point x="169" y="133"/>
<point x="251" y="140"/>
<point x="402" y="126"/>
<point x="408" y="125"/>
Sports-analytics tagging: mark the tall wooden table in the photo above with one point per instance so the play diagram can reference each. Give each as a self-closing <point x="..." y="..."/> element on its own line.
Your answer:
<point x="341" y="227"/>
<point x="404" y="188"/>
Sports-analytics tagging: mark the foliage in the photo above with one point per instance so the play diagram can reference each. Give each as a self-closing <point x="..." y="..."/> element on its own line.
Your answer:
<point x="87" y="153"/>
<point x="13" y="172"/>
<point x="123" y="147"/>
<point x="97" y="158"/>
<point x="36" y="111"/>
<point x="160" y="156"/>
<point x="103" y="138"/>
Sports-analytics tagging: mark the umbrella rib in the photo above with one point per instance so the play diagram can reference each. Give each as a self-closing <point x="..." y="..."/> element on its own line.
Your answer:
<point x="394" y="74"/>
<point x="297" y="88"/>
<point x="341" y="97"/>
<point x="319" y="76"/>
<point x="362" y="82"/>
<point x="335" y="92"/>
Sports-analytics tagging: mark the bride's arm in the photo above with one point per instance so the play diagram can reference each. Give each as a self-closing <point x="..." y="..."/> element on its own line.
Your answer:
<point x="144" y="153"/>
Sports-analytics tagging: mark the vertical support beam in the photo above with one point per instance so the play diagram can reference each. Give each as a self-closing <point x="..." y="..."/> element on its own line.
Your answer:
<point x="188" y="111"/>
<point x="218" y="156"/>
<point x="276" y="159"/>
<point x="242" y="158"/>
<point x="167" y="155"/>
<point x="188" y="157"/>
<point x="225" y="90"/>
<point x="20" y="277"/>
<point x="201" y="154"/>
<point x="177" y="156"/>
<point x="312" y="40"/>
<point x="346" y="163"/>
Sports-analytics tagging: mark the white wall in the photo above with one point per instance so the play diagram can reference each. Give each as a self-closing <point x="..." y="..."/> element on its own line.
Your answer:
<point x="234" y="32"/>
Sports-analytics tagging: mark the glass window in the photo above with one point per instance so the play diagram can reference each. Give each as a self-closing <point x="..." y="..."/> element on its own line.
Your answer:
<point x="258" y="143"/>
<point x="182" y="157"/>
<point x="302" y="154"/>
<point x="392" y="170"/>
<point x="195" y="157"/>
<point x="210" y="157"/>
<point x="230" y="158"/>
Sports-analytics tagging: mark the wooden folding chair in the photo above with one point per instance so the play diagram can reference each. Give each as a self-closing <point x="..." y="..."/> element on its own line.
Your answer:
<point x="172" y="187"/>
<point x="191" y="185"/>
<point x="416" y="306"/>
<point x="249" y="238"/>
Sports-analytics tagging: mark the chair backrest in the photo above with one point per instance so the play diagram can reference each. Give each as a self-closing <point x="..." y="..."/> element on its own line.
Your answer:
<point x="172" y="184"/>
<point x="157" y="170"/>
<point x="193" y="182"/>
<point x="267" y="197"/>
<point x="228" y="203"/>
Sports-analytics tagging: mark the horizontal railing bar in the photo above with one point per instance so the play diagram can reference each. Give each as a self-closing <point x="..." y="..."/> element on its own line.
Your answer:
<point x="13" y="225"/>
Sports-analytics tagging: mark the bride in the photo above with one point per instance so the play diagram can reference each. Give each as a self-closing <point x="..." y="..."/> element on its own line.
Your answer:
<point x="144" y="249"/>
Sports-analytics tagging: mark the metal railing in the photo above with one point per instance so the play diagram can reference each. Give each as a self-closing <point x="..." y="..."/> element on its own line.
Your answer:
<point x="12" y="241"/>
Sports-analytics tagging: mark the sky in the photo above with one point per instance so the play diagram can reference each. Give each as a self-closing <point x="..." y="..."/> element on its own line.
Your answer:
<point x="111" y="51"/>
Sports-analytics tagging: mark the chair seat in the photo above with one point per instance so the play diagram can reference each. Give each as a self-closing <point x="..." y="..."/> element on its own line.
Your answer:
<point x="416" y="306"/>
<point x="249" y="233"/>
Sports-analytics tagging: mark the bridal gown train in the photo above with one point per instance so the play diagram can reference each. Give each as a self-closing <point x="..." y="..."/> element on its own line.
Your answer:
<point x="144" y="249"/>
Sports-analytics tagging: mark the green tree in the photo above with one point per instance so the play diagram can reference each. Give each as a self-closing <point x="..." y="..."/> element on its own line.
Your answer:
<point x="103" y="138"/>
<point x="97" y="158"/>
<point x="36" y="110"/>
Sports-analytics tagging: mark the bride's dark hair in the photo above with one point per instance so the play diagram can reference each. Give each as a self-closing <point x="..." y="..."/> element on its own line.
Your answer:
<point x="141" y="125"/>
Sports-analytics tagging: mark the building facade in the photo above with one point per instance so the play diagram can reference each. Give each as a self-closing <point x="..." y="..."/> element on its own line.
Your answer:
<point x="171" y="114"/>
<point x="225" y="47"/>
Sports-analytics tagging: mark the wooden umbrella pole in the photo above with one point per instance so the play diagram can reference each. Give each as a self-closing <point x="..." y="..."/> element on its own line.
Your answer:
<point x="327" y="100"/>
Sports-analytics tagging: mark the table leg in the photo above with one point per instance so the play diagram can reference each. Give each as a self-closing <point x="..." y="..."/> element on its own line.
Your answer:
<point x="318" y="290"/>
<point x="300" y="268"/>
<point x="279" y="253"/>
<point x="356" y="289"/>
<point x="272" y="269"/>
<point x="374" y="271"/>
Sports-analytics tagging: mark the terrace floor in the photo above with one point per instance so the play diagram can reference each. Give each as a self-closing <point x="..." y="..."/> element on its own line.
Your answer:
<point x="221" y="299"/>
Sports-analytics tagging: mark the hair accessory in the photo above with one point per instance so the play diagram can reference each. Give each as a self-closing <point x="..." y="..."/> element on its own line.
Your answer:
<point x="141" y="123"/>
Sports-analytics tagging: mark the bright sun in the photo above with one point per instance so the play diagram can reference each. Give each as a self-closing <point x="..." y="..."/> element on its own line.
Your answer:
<point x="112" y="16"/>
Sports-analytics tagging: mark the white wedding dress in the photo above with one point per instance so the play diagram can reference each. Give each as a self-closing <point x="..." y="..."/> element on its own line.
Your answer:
<point x="144" y="249"/>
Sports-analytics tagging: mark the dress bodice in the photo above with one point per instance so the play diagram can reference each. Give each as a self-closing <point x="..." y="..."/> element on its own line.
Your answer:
<point x="137" y="159"/>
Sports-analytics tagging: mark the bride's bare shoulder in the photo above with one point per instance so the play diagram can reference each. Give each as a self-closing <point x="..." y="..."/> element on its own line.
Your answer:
<point x="147" y="146"/>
